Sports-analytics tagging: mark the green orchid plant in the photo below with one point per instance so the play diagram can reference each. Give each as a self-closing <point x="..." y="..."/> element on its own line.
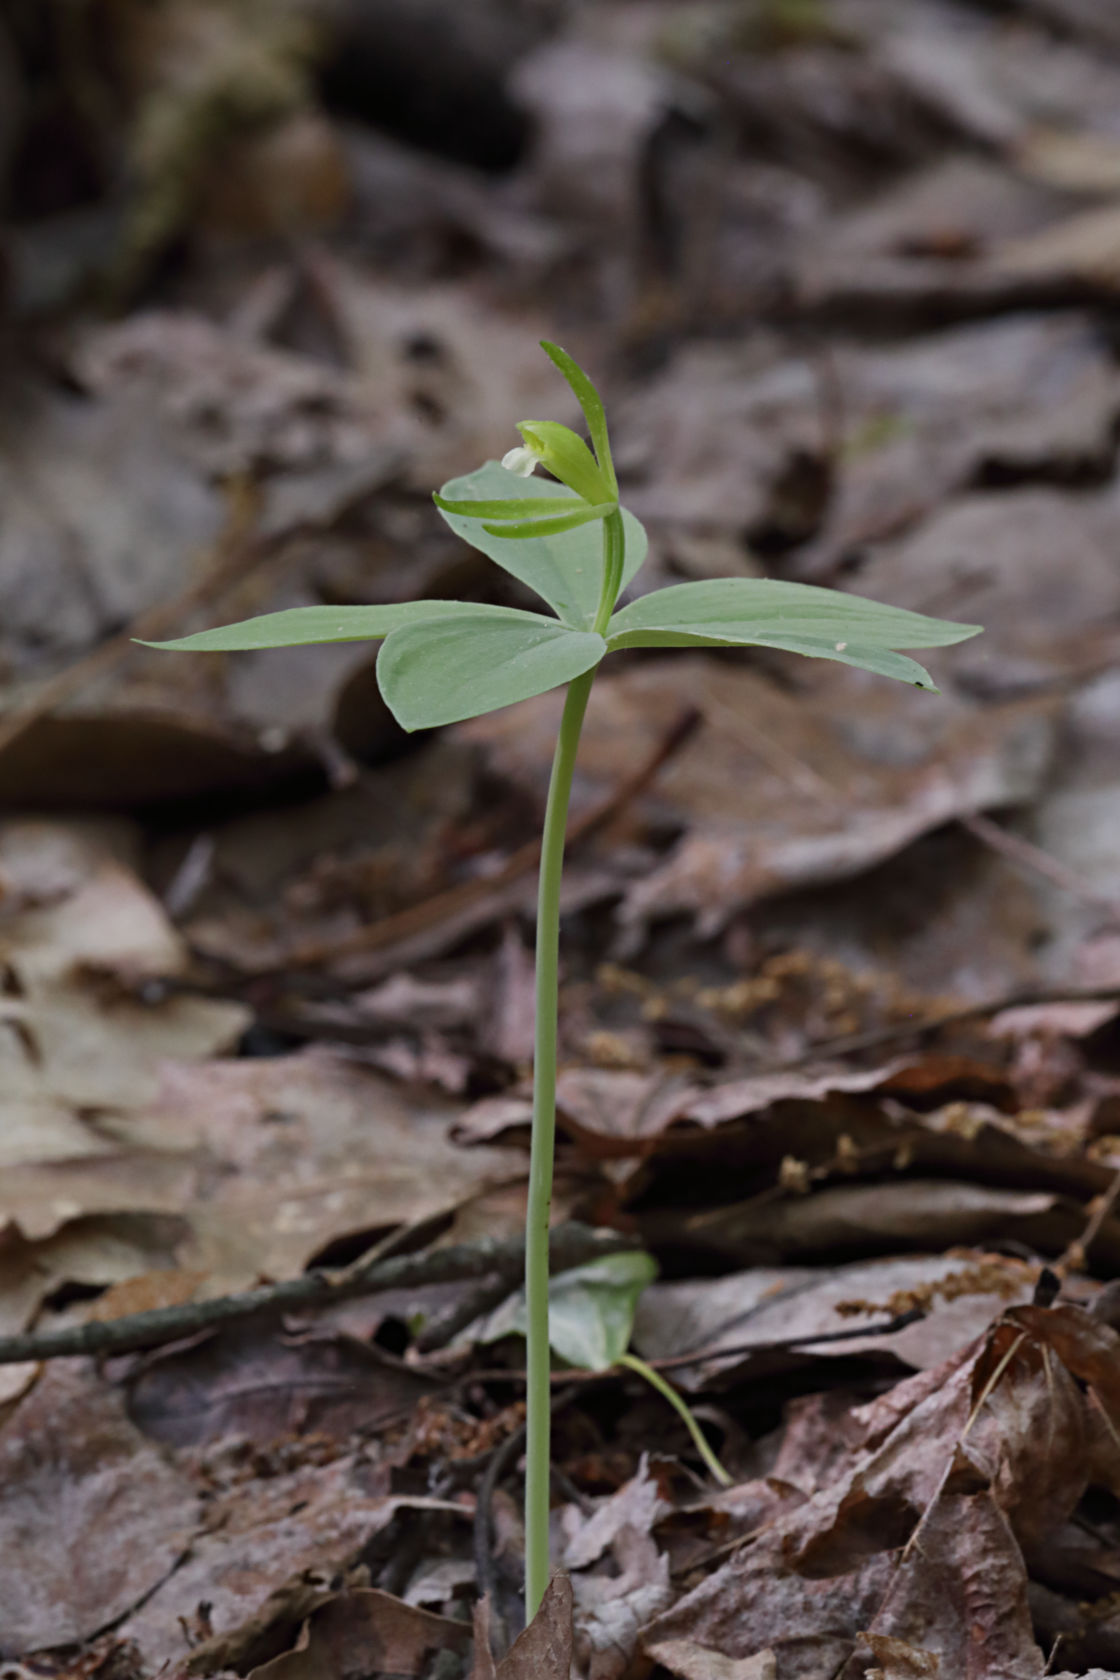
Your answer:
<point x="569" y="540"/>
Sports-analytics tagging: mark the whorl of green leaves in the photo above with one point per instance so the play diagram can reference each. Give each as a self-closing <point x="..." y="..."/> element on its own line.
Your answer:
<point x="443" y="661"/>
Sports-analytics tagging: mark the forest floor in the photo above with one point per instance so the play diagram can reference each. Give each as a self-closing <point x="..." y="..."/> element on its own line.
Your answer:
<point x="840" y="1013"/>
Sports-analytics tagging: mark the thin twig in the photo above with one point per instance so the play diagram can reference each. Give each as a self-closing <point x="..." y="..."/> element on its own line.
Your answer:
<point x="878" y="1037"/>
<point x="484" y="1505"/>
<point x="483" y="1531"/>
<point x="443" y="906"/>
<point x="577" y="1378"/>
<point x="704" y="1356"/>
<point x="571" y="1245"/>
<point x="441" y="1331"/>
<point x="1074" y="1257"/>
<point x="1028" y="856"/>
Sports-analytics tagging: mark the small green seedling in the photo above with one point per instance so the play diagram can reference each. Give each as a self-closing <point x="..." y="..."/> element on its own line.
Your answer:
<point x="591" y="1319"/>
<point x="571" y="542"/>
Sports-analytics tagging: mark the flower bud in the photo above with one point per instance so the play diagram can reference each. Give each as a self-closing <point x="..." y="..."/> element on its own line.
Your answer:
<point x="567" y="458"/>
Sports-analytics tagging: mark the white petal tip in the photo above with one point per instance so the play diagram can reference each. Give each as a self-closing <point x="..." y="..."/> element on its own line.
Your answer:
<point x="521" y="461"/>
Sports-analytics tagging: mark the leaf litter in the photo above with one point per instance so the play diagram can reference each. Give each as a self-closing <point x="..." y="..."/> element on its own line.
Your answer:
<point x="839" y="1012"/>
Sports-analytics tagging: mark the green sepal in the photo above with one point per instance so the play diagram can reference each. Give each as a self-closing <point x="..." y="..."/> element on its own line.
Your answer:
<point x="510" y="508"/>
<point x="568" y="458"/>
<point x="592" y="405"/>
<point x="451" y="669"/>
<point x="566" y="568"/>
<point x="582" y="514"/>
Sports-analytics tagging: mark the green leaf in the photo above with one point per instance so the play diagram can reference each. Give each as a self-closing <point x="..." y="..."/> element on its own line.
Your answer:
<point x="450" y="669"/>
<point x="746" y="610"/>
<point x="590" y="402"/>
<point x="565" y="569"/>
<point x="299" y="626"/>
<point x="884" y="662"/>
<point x="591" y="1310"/>
<point x="796" y="617"/>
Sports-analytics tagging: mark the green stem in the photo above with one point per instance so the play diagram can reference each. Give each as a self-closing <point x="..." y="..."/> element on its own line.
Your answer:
<point x="538" y="1360"/>
<point x="614" y="550"/>
<point x="657" y="1381"/>
<point x="538" y="1353"/>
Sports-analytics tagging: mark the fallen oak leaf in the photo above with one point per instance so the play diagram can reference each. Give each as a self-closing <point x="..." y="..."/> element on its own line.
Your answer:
<point x="365" y="1632"/>
<point x="959" y="1603"/>
<point x="923" y="1528"/>
<point x="94" y="1517"/>
<point x="542" y="1652"/>
<point x="275" y="1548"/>
<point x="1087" y="1346"/>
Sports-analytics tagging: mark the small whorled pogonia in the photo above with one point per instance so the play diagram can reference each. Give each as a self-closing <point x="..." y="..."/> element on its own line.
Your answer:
<point x="568" y="540"/>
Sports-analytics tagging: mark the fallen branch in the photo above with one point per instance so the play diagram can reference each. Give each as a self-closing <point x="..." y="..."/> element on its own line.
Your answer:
<point x="571" y="1245"/>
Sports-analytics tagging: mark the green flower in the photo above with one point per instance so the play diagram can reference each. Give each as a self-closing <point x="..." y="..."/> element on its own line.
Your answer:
<point x="566" y="457"/>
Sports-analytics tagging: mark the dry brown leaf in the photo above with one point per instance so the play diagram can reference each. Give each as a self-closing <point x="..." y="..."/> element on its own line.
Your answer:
<point x="332" y="865"/>
<point x="234" y="406"/>
<point x="923" y="1516"/>
<point x="695" y="1662"/>
<point x="958" y="1604"/>
<point x="81" y="1048"/>
<point x="38" y="1202"/>
<point x="456" y="393"/>
<point x="1082" y="162"/>
<point x="846" y="1219"/>
<point x="239" y="1170"/>
<point x="94" y="1517"/>
<point x="961" y="1294"/>
<point x="777" y="793"/>
<point x="721" y="432"/>
<point x="637" y="1505"/>
<point x="594" y="112"/>
<point x="95" y="1251"/>
<point x="253" y="1383"/>
<point x="619" y="1574"/>
<point x="988" y="558"/>
<point x="272" y="1545"/>
<point x="80" y="933"/>
<point x="313" y="1148"/>
<point x="77" y="557"/>
<point x="1084" y="247"/>
<point x="544" y="1650"/>
<point x="366" y="1632"/>
<point x="760" y="1603"/>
